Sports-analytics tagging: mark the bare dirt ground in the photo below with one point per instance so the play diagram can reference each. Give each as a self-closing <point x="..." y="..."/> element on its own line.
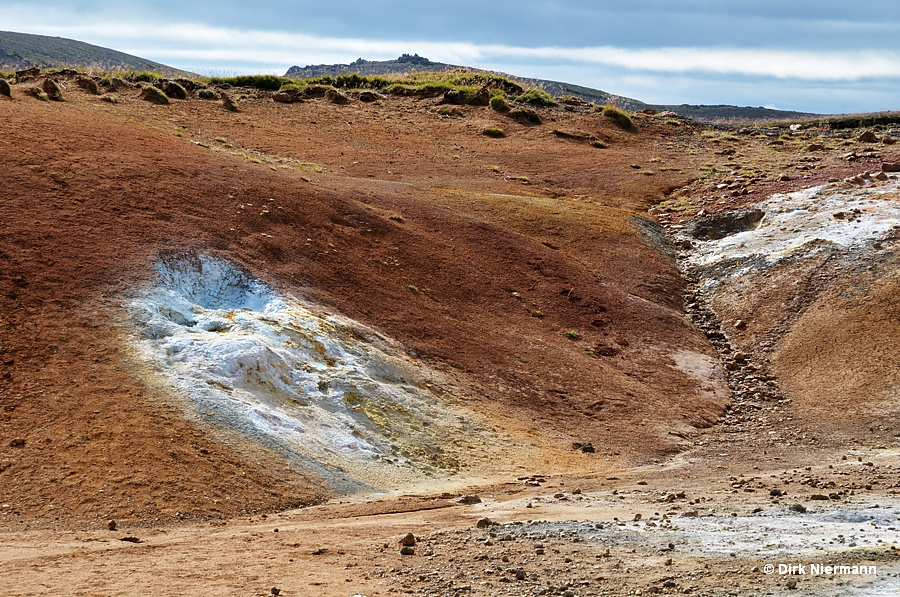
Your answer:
<point x="527" y="272"/>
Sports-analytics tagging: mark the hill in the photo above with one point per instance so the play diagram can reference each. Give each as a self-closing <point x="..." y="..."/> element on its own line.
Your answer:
<point x="543" y="352"/>
<point x="413" y="63"/>
<point x="19" y="51"/>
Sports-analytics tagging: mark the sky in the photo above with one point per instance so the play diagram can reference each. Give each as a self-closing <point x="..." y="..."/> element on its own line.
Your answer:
<point x="827" y="56"/>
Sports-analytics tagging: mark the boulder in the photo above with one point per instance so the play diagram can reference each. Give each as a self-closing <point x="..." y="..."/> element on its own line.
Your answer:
<point x="5" y="89"/>
<point x="207" y="94"/>
<point x="282" y="97"/>
<point x="868" y="137"/>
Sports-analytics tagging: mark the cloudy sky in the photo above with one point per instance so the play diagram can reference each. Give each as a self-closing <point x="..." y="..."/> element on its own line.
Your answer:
<point x="827" y="56"/>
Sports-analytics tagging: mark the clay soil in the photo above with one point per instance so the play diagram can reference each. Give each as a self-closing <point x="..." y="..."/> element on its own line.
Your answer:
<point x="476" y="254"/>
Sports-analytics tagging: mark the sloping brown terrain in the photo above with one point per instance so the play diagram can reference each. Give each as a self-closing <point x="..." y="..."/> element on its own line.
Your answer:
<point x="502" y="268"/>
<point x="527" y="273"/>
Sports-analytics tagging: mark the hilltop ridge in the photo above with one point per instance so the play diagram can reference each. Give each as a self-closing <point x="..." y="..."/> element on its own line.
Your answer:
<point x="408" y="63"/>
<point x="19" y="51"/>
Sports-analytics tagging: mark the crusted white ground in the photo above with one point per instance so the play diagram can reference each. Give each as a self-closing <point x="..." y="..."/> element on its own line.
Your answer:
<point x="335" y="398"/>
<point x="839" y="215"/>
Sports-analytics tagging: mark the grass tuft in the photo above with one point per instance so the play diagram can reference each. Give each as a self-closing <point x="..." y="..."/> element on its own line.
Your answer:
<point x="620" y="117"/>
<point x="536" y="97"/>
<point x="499" y="104"/>
<point x="493" y="132"/>
<point x="153" y="95"/>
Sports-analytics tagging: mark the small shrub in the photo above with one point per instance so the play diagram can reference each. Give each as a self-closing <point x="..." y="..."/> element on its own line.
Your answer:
<point x="493" y="132"/>
<point x="174" y="90"/>
<point x="621" y="118"/>
<point x="5" y="89"/>
<point x="207" y="94"/>
<point x="111" y="98"/>
<point x="598" y="144"/>
<point x="573" y="335"/>
<point x="269" y="82"/>
<point x="536" y="97"/>
<point x="396" y="217"/>
<point x="52" y="90"/>
<point x="495" y="168"/>
<point x="413" y="288"/>
<point x="499" y="104"/>
<point x="151" y="94"/>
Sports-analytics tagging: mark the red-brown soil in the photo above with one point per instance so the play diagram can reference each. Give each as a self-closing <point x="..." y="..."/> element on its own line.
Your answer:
<point x="496" y="249"/>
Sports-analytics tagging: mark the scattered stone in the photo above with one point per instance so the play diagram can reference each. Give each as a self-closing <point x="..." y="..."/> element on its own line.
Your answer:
<point x="207" y="94"/>
<point x="5" y="89"/>
<point x="798" y="508"/>
<point x="282" y="97"/>
<point x="868" y="137"/>
<point x="276" y="591"/>
<point x="890" y="167"/>
<point x="17" y="443"/>
<point x="131" y="540"/>
<point x="791" y="584"/>
<point x="520" y="574"/>
<point x="587" y="448"/>
<point x="407" y="550"/>
<point x="111" y="525"/>
<point x="368" y="96"/>
<point x="815" y="147"/>
<point x="469" y="499"/>
<point x="408" y="539"/>
<point x="482" y="523"/>
<point x="818" y="496"/>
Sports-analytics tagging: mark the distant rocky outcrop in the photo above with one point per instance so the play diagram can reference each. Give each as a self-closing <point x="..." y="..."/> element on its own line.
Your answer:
<point x="403" y="64"/>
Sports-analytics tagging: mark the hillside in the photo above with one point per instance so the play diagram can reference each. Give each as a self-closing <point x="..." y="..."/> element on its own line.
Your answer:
<point x="410" y="63"/>
<point x="19" y="51"/>
<point x="366" y="343"/>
